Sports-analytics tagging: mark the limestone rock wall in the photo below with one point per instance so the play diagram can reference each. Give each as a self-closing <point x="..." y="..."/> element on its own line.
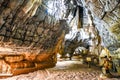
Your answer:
<point x="105" y="15"/>
<point x="26" y="28"/>
<point x="26" y="23"/>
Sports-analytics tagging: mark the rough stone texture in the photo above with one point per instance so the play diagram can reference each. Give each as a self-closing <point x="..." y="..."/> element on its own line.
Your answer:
<point x="18" y="61"/>
<point x="25" y="23"/>
<point x="106" y="14"/>
<point x="105" y="18"/>
<point x="26" y="28"/>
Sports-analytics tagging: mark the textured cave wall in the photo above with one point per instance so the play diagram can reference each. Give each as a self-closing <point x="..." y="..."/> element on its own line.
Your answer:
<point x="26" y="23"/>
<point x="106" y="15"/>
<point x="103" y="16"/>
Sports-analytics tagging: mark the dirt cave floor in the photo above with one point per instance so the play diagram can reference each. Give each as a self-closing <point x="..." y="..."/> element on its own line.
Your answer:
<point x="64" y="70"/>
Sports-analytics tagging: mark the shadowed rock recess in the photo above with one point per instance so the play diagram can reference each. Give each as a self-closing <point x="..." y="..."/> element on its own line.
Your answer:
<point x="32" y="32"/>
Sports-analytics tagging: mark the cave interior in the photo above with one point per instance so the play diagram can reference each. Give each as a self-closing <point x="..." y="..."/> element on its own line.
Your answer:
<point x="36" y="34"/>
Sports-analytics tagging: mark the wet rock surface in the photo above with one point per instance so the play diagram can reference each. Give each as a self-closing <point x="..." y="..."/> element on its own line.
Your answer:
<point x="64" y="70"/>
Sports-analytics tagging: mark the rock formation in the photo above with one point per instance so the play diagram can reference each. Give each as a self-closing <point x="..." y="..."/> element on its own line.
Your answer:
<point x="106" y="19"/>
<point x="33" y="31"/>
<point x="31" y="34"/>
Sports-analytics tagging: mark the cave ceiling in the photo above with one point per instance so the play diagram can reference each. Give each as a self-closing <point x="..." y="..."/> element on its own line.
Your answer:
<point x="40" y="23"/>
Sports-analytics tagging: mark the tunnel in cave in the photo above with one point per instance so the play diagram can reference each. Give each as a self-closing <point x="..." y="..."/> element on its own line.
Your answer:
<point x="41" y="38"/>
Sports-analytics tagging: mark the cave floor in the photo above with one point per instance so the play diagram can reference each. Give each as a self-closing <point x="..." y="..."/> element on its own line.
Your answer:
<point x="64" y="70"/>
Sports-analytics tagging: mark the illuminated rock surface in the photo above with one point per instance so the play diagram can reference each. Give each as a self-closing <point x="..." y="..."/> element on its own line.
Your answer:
<point x="35" y="29"/>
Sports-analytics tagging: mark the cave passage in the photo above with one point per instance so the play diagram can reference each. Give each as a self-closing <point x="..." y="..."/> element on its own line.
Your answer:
<point x="52" y="37"/>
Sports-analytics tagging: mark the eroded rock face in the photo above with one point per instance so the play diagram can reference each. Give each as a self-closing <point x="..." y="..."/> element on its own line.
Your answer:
<point x="26" y="23"/>
<point x="105" y="18"/>
<point x="27" y="28"/>
<point x="106" y="14"/>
